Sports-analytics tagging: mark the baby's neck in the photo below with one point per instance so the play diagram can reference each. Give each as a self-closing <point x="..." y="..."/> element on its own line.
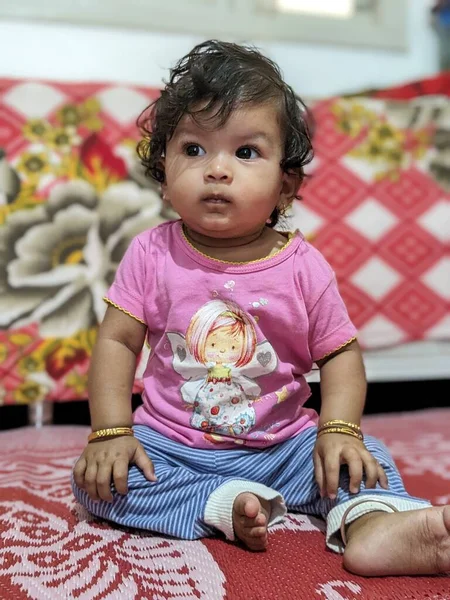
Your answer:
<point x="255" y="246"/>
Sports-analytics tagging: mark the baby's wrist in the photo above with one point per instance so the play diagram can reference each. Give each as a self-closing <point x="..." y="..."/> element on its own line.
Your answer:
<point x="342" y="427"/>
<point x="109" y="432"/>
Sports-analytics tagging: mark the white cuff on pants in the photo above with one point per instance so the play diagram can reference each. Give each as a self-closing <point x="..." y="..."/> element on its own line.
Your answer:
<point x="219" y="507"/>
<point x="372" y="503"/>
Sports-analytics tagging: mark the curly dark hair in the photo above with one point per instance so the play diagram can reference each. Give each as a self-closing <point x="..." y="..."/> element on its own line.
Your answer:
<point x="210" y="82"/>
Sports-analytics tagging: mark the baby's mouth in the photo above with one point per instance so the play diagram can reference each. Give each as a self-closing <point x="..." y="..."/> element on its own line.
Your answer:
<point x="215" y="199"/>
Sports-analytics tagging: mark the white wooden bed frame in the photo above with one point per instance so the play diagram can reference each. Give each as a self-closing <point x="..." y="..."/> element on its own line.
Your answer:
<point x="407" y="362"/>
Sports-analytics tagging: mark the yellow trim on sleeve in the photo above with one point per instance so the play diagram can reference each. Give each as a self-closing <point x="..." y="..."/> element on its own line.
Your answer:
<point x="127" y="312"/>
<point x="353" y="339"/>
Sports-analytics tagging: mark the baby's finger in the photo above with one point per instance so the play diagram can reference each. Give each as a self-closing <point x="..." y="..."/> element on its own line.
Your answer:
<point x="120" y="475"/>
<point x="104" y="481"/>
<point x="355" y="468"/>
<point x="90" y="480"/>
<point x="382" y="477"/>
<point x="318" y="472"/>
<point x="371" y="471"/>
<point x="332" y="469"/>
<point x="144" y="463"/>
<point x="79" y="471"/>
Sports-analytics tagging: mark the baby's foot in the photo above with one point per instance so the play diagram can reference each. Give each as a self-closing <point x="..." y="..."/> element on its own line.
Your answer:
<point x="250" y="519"/>
<point x="414" y="542"/>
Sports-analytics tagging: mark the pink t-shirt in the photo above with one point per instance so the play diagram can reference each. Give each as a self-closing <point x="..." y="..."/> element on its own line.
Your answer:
<point x="231" y="342"/>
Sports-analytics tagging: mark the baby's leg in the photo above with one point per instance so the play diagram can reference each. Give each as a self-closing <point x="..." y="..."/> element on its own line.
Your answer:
<point x="189" y="500"/>
<point x="414" y="542"/>
<point x="389" y="532"/>
<point x="410" y="538"/>
<point x="173" y="505"/>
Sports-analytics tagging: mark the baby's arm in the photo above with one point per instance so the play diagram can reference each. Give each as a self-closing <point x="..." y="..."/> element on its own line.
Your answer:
<point x="343" y="385"/>
<point x="111" y="376"/>
<point x="113" y="365"/>
<point x="343" y="390"/>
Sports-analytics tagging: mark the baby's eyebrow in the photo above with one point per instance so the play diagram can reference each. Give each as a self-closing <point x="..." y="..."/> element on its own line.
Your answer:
<point x="256" y="135"/>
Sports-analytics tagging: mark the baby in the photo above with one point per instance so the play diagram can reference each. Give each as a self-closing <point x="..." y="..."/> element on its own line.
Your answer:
<point x="236" y="313"/>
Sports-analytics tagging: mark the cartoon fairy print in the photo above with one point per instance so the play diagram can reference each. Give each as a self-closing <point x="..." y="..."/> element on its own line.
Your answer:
<point x="220" y="358"/>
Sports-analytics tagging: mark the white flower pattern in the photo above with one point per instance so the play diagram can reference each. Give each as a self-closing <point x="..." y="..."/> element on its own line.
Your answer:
<point x="57" y="260"/>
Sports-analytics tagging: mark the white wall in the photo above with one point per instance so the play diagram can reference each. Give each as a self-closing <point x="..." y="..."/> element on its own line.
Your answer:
<point x="54" y="51"/>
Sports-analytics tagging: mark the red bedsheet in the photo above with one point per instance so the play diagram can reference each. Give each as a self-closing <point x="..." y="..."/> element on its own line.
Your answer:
<point x="51" y="549"/>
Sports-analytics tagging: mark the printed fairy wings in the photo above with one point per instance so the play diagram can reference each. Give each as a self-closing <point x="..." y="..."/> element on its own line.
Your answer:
<point x="263" y="362"/>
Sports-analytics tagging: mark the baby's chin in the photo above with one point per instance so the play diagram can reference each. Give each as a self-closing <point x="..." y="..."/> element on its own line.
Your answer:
<point x="213" y="225"/>
<point x="213" y="231"/>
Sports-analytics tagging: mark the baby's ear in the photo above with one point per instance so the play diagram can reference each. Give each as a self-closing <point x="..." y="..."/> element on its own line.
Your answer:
<point x="289" y="187"/>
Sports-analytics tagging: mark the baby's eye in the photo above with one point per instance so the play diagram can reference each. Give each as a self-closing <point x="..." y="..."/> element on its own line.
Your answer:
<point x="194" y="150"/>
<point x="233" y="347"/>
<point x="247" y="153"/>
<point x="212" y="345"/>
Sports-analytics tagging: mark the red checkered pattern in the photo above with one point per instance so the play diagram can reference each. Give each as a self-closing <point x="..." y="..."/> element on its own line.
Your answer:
<point x="385" y="237"/>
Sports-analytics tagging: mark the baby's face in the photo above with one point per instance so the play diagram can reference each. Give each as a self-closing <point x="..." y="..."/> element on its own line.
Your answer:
<point x="225" y="182"/>
<point x="222" y="347"/>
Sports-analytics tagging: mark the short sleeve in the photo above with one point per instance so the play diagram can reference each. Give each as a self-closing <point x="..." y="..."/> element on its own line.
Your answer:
<point x="330" y="327"/>
<point x="127" y="290"/>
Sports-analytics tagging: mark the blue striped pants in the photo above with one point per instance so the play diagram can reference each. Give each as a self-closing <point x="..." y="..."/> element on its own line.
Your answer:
<point x="179" y="503"/>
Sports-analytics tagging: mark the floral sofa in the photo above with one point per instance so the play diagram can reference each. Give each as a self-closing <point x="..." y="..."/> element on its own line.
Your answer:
<point x="72" y="195"/>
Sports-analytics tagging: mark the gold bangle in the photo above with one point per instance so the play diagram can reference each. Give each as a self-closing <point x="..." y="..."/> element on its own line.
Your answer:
<point x="109" y="432"/>
<point x="338" y="422"/>
<point x="344" y="430"/>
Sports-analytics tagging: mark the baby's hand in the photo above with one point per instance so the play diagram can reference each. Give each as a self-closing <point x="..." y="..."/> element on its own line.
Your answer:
<point x="334" y="449"/>
<point x="108" y="460"/>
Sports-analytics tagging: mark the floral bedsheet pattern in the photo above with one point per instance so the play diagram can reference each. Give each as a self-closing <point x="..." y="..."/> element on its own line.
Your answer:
<point x="72" y="196"/>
